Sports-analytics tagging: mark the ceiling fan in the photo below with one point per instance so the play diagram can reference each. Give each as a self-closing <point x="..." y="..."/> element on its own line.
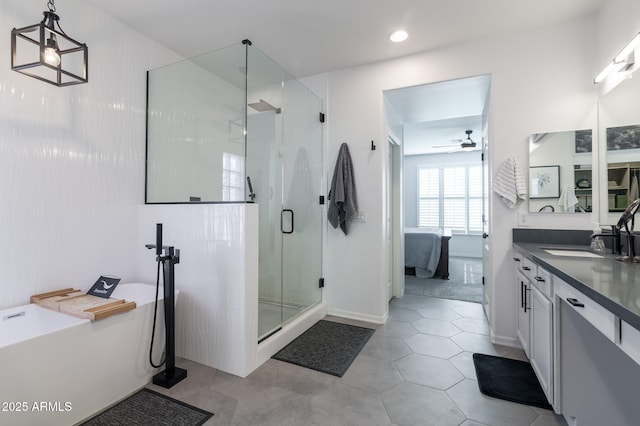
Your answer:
<point x="466" y="144"/>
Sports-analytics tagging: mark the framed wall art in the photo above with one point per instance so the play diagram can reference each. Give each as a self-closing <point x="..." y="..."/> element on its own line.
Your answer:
<point x="544" y="182"/>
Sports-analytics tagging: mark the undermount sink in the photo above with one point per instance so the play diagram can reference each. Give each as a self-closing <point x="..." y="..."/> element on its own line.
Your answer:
<point x="571" y="252"/>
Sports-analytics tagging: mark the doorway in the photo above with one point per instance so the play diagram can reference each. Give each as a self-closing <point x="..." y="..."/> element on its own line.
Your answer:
<point x="442" y="133"/>
<point x="393" y="214"/>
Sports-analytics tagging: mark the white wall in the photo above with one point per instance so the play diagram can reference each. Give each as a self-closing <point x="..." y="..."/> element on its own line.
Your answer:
<point x="72" y="159"/>
<point x="618" y="21"/>
<point x="541" y="81"/>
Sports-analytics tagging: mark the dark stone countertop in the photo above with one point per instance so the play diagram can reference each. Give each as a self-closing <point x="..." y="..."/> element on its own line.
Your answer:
<point x="613" y="284"/>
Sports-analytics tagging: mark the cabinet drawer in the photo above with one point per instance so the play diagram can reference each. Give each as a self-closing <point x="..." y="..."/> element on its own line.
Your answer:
<point x="630" y="341"/>
<point x="599" y="317"/>
<point x="543" y="281"/>
<point x="528" y="268"/>
<point x="518" y="258"/>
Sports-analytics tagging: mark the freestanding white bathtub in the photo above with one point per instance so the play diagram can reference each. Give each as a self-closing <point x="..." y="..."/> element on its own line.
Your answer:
<point x="59" y="370"/>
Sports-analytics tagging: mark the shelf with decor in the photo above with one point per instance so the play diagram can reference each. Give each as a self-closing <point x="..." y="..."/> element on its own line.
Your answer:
<point x="618" y="186"/>
<point x="583" y="179"/>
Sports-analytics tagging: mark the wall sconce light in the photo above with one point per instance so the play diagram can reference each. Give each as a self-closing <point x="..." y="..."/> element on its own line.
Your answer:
<point x="53" y="57"/>
<point x="622" y="61"/>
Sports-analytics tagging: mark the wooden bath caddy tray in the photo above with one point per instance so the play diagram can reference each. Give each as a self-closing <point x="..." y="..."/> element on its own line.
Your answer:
<point x="79" y="304"/>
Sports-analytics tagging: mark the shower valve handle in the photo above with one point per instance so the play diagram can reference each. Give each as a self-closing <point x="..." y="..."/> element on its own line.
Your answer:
<point x="252" y="194"/>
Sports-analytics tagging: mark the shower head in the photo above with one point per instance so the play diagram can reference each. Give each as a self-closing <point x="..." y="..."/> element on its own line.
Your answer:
<point x="264" y="106"/>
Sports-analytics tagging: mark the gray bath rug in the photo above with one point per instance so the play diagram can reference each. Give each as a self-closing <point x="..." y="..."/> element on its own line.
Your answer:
<point x="150" y="408"/>
<point x="327" y="346"/>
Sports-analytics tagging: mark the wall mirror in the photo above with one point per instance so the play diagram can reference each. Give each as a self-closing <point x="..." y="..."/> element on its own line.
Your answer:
<point x="619" y="135"/>
<point x="560" y="179"/>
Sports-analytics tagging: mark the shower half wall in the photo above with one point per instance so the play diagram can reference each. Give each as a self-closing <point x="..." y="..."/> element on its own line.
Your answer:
<point x="213" y="122"/>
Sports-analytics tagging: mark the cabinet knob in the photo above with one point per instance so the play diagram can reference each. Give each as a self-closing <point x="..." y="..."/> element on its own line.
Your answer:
<point x="539" y="279"/>
<point x="526" y="268"/>
<point x="517" y="259"/>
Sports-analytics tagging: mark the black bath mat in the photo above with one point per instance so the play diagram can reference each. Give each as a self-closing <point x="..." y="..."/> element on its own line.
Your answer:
<point x="509" y="379"/>
<point x="327" y="346"/>
<point x="150" y="408"/>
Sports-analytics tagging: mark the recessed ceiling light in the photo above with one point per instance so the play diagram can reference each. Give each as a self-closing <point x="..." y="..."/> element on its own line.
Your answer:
<point x="398" y="36"/>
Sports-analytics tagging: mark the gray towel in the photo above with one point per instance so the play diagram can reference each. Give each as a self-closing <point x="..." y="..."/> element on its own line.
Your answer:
<point x="343" y="205"/>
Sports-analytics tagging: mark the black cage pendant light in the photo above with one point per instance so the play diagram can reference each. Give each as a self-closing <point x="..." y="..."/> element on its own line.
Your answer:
<point x="45" y="52"/>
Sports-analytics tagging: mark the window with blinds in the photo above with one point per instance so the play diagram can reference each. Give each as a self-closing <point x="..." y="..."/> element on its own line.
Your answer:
<point x="428" y="197"/>
<point x="232" y="177"/>
<point x="450" y="197"/>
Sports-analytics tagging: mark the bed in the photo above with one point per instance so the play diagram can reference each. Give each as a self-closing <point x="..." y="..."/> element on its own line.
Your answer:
<point x="427" y="251"/>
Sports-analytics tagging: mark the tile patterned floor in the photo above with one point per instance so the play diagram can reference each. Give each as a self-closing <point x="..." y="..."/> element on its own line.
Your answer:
<point x="417" y="369"/>
<point x="464" y="283"/>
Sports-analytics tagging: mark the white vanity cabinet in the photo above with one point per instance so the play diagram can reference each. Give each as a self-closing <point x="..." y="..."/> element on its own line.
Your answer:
<point x="541" y="349"/>
<point x="524" y="306"/>
<point x="598" y="316"/>
<point x="541" y="341"/>
<point x="597" y="362"/>
<point x="580" y="335"/>
<point x="524" y="312"/>
<point x="630" y="341"/>
<point x="535" y="319"/>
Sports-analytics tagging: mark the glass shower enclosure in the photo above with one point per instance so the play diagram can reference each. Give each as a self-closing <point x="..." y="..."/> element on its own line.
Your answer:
<point x="284" y="164"/>
<point x="233" y="126"/>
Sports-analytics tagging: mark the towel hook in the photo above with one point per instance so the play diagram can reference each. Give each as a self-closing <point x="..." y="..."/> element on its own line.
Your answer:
<point x="373" y="146"/>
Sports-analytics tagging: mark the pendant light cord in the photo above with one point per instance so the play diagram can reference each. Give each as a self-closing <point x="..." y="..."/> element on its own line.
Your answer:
<point x="56" y="19"/>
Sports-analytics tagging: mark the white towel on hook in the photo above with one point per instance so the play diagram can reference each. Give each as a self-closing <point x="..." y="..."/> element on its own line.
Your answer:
<point x="568" y="200"/>
<point x="509" y="183"/>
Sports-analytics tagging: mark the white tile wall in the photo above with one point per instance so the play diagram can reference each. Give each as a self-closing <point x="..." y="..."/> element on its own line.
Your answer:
<point x="72" y="159"/>
<point x="72" y="192"/>
<point x="216" y="315"/>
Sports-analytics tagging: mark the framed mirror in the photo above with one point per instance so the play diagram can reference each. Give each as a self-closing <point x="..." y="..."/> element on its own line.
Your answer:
<point x="560" y="172"/>
<point x="619" y="135"/>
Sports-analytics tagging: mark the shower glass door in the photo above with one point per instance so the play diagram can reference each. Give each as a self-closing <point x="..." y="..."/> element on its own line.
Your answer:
<point x="302" y="211"/>
<point x="284" y="164"/>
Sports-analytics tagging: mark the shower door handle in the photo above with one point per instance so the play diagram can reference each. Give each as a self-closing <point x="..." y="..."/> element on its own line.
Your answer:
<point x="282" y="213"/>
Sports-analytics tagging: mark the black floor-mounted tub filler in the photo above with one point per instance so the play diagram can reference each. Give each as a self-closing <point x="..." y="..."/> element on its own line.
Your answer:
<point x="168" y="256"/>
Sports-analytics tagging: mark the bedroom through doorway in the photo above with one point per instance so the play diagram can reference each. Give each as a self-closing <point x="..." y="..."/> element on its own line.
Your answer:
<point x="443" y="132"/>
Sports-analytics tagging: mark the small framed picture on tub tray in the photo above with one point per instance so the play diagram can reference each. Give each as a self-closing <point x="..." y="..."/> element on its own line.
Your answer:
<point x="104" y="286"/>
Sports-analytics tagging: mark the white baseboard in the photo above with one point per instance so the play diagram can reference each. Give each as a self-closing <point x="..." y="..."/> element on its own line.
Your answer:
<point x="511" y="342"/>
<point x="359" y="317"/>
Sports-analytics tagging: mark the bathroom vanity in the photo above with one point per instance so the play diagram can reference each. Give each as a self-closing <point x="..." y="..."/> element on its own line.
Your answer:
<point x="579" y="325"/>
